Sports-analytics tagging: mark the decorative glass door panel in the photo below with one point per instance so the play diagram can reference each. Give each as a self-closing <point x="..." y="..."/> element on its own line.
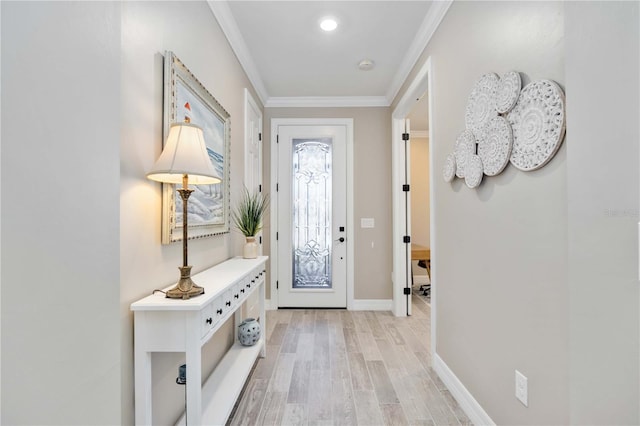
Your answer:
<point x="312" y="213"/>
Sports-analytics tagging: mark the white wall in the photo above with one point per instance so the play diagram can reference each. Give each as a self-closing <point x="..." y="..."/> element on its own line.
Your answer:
<point x="500" y="250"/>
<point x="190" y="30"/>
<point x="602" y="74"/>
<point x="538" y="271"/>
<point x="60" y="213"/>
<point x="82" y="114"/>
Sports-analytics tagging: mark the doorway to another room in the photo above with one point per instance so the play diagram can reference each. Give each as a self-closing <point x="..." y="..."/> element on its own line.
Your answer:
<point x="420" y="204"/>
<point x="404" y="191"/>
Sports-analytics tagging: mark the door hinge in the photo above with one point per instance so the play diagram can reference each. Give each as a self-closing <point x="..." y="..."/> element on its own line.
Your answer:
<point x="405" y="136"/>
<point x="276" y="236"/>
<point x="277" y="138"/>
<point x="277" y="187"/>
<point x="405" y="187"/>
<point x="407" y="291"/>
<point x="406" y="239"/>
<point x="259" y="188"/>
<point x="277" y="285"/>
<point x="259" y="136"/>
<point x="261" y="239"/>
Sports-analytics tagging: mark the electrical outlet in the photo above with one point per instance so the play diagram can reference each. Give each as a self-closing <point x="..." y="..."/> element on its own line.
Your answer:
<point x="522" y="391"/>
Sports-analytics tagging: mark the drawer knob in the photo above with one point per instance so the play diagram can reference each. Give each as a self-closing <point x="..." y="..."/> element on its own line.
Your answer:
<point x="219" y="311"/>
<point x="236" y="296"/>
<point x="242" y="291"/>
<point x="248" y="285"/>
<point x="209" y="320"/>
<point x="228" y="303"/>
<point x="253" y="281"/>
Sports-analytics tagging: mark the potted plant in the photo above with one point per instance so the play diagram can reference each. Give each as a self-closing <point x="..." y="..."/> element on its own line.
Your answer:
<point x="247" y="216"/>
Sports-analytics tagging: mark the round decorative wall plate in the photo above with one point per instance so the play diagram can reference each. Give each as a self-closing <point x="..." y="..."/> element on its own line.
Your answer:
<point x="465" y="147"/>
<point x="473" y="172"/>
<point x="507" y="91"/>
<point x="449" y="171"/>
<point x="538" y="123"/>
<point x="495" y="148"/>
<point x="481" y="104"/>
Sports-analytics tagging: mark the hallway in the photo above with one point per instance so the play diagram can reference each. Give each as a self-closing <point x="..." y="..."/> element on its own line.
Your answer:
<point x="347" y="367"/>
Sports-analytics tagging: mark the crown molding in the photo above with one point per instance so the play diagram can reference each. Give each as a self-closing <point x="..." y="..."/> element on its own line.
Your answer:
<point x="223" y="15"/>
<point x="429" y="25"/>
<point x="326" y="101"/>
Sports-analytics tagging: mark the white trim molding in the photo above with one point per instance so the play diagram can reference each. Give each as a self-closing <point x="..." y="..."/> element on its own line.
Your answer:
<point x="429" y="25"/>
<point x="372" y="305"/>
<point x="327" y="101"/>
<point x="467" y="402"/>
<point x="268" y="306"/>
<point x="229" y="26"/>
<point x="420" y="134"/>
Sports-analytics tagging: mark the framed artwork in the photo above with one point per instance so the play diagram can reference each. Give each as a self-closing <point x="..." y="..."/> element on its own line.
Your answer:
<point x="186" y="99"/>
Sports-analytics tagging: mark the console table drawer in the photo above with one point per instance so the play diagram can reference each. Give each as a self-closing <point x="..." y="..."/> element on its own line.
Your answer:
<point x="206" y="319"/>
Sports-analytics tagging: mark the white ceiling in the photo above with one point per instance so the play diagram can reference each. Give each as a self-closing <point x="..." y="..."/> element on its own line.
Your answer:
<point x="292" y="62"/>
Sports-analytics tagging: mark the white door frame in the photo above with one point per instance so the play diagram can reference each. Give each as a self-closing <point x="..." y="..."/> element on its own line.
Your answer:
<point x="422" y="82"/>
<point x="251" y="104"/>
<point x="273" y="248"/>
<point x="251" y="178"/>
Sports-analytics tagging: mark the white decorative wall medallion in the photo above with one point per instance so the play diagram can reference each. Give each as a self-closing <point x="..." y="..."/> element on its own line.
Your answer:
<point x="465" y="147"/>
<point x="473" y="171"/>
<point x="495" y="148"/>
<point x="538" y="123"/>
<point x="507" y="91"/>
<point x="449" y="171"/>
<point x="481" y="104"/>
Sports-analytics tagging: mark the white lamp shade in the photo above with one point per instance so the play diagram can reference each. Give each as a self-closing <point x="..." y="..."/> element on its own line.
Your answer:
<point x="184" y="153"/>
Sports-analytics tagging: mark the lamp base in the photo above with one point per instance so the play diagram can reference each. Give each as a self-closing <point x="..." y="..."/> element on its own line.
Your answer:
<point x="185" y="289"/>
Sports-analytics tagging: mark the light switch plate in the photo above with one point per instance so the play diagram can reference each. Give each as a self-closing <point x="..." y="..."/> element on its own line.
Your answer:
<point x="367" y="222"/>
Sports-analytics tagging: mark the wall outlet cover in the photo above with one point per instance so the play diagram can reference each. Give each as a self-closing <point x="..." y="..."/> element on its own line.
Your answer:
<point x="522" y="391"/>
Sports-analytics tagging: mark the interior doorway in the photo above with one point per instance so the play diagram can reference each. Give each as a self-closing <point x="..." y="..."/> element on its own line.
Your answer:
<point x="419" y="176"/>
<point x="401" y="210"/>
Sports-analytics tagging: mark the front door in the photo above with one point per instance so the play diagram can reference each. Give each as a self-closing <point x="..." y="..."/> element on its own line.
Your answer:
<point x="312" y="216"/>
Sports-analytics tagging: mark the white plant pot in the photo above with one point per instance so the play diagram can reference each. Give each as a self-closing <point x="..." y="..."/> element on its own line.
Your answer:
<point x="250" y="248"/>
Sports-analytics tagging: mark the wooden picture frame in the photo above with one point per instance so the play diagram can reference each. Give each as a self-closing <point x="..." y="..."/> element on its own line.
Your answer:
<point x="185" y="96"/>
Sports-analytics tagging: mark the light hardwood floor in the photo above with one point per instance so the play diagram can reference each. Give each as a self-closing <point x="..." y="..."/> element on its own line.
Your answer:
<point x="335" y="367"/>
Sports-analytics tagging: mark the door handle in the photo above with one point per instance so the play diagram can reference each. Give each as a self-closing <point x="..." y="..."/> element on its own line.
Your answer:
<point x="341" y="239"/>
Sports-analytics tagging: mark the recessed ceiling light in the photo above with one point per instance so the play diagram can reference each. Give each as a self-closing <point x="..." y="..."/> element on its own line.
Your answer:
<point x="366" y="64"/>
<point x="328" y="24"/>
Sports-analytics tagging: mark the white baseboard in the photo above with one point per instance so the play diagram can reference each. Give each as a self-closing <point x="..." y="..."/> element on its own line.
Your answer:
<point x="372" y="305"/>
<point x="467" y="402"/>
<point x="358" y="305"/>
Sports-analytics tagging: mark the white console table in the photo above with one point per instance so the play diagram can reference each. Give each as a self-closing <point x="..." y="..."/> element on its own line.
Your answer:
<point x="175" y="325"/>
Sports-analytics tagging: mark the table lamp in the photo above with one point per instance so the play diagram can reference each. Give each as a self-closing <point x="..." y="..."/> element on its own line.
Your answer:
<point x="184" y="159"/>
